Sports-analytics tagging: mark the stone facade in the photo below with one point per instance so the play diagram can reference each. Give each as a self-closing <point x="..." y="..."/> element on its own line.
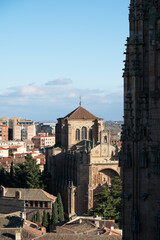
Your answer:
<point x="82" y="160"/>
<point x="25" y="200"/>
<point x="140" y="155"/>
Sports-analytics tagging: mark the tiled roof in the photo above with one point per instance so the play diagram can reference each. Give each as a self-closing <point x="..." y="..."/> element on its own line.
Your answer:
<point x="30" y="194"/>
<point x="80" y="113"/>
<point x="1" y="148"/>
<point x="14" y="147"/>
<point x="9" y="234"/>
<point x="41" y="136"/>
<point x="84" y="226"/>
<point x="56" y="236"/>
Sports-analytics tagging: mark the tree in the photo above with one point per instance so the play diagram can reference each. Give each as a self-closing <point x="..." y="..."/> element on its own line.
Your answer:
<point x="5" y="178"/>
<point x="49" y="218"/>
<point x="60" y="208"/>
<point x="27" y="175"/>
<point x="54" y="219"/>
<point x="34" y="218"/>
<point x="44" y="219"/>
<point x="109" y="201"/>
<point x="116" y="190"/>
<point x="38" y="217"/>
<point x="32" y="173"/>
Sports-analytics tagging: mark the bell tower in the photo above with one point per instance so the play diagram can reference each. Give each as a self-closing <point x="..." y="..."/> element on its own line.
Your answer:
<point x="140" y="154"/>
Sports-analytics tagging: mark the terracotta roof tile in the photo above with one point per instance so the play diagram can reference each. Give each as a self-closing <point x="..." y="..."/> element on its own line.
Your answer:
<point x="80" y="113"/>
<point x="56" y="236"/>
<point x="30" y="194"/>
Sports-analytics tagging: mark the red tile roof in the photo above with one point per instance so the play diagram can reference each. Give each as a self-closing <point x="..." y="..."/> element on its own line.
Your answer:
<point x="1" y="148"/>
<point x="80" y="113"/>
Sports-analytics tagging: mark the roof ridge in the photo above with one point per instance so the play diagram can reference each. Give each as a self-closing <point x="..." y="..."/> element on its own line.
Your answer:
<point x="48" y="195"/>
<point x="80" y="113"/>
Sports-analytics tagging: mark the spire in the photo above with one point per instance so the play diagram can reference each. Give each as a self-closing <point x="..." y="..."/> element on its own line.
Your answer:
<point x="80" y="102"/>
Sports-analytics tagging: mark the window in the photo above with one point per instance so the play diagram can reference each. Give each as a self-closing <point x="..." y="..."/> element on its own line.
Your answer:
<point x="41" y="204"/>
<point x="84" y="133"/>
<point x="105" y="139"/>
<point x="46" y="204"/>
<point x="31" y="203"/>
<point x="90" y="134"/>
<point x="36" y="204"/>
<point x="77" y="134"/>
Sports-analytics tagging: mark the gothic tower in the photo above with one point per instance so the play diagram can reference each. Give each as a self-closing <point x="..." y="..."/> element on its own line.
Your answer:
<point x="140" y="155"/>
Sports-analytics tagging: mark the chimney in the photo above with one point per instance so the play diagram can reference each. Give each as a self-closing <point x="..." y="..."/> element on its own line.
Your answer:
<point x="18" y="195"/>
<point x="2" y="191"/>
<point x="18" y="235"/>
<point x="96" y="222"/>
<point x="80" y="220"/>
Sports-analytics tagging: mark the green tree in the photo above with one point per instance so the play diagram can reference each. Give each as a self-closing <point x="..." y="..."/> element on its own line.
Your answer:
<point x="54" y="218"/>
<point x="60" y="208"/>
<point x="5" y="178"/>
<point x="27" y="175"/>
<point x="109" y="201"/>
<point x="44" y="219"/>
<point x="116" y="190"/>
<point x="38" y="217"/>
<point x="34" y="218"/>
<point x="33" y="176"/>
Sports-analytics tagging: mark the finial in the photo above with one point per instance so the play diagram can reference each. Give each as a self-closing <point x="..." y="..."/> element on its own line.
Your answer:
<point x="80" y="102"/>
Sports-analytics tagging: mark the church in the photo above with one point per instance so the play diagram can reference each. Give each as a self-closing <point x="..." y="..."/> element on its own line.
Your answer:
<point x="82" y="160"/>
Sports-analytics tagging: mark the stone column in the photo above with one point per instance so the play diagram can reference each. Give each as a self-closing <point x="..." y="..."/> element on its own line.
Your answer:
<point x="69" y="136"/>
<point x="71" y="199"/>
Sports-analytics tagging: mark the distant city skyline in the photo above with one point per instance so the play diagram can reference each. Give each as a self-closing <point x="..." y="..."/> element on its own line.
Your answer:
<point x="54" y="52"/>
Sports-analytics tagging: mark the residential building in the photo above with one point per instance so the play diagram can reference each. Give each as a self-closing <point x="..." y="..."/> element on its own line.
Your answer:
<point x="43" y="140"/>
<point x="90" y="226"/>
<point x="25" y="200"/>
<point x="45" y="127"/>
<point x="4" y="126"/>
<point x="14" y="226"/>
<point x="21" y="129"/>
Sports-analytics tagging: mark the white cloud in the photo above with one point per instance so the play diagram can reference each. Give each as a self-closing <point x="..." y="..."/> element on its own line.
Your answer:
<point x="60" y="81"/>
<point x="36" y="100"/>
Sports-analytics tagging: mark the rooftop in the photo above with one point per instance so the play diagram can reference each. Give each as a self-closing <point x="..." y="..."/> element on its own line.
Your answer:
<point x="29" y="194"/>
<point x="80" y="113"/>
<point x="56" y="236"/>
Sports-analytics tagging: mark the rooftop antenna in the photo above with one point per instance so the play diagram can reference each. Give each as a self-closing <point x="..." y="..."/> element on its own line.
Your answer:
<point x="80" y="102"/>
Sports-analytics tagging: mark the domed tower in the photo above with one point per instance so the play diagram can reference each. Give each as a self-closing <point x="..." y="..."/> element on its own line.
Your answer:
<point x="140" y="154"/>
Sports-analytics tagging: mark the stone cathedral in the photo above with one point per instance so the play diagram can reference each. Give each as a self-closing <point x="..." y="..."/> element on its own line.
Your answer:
<point x="140" y="154"/>
<point x="82" y="161"/>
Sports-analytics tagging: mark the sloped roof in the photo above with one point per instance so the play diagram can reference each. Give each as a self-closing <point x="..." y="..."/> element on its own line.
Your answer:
<point x="30" y="194"/>
<point x="80" y="113"/>
<point x="84" y="226"/>
<point x="56" y="236"/>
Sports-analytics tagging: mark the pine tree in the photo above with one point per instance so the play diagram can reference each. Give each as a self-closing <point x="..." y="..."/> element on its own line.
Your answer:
<point x="34" y="218"/>
<point x="116" y="190"/>
<point x="49" y="220"/>
<point x="27" y="175"/>
<point x="109" y="201"/>
<point x="54" y="219"/>
<point x="44" y="219"/>
<point x="38" y="217"/>
<point x="60" y="208"/>
<point x="32" y="173"/>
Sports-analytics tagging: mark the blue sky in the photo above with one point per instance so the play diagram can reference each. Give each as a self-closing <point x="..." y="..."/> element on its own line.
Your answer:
<point x="54" y="51"/>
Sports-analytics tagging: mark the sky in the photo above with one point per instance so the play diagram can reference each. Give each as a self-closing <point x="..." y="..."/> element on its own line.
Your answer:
<point x="53" y="52"/>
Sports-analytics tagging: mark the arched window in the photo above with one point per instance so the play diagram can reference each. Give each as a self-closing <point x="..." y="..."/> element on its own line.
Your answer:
<point x="84" y="133"/>
<point x="77" y="134"/>
<point x="105" y="139"/>
<point x="90" y="134"/>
